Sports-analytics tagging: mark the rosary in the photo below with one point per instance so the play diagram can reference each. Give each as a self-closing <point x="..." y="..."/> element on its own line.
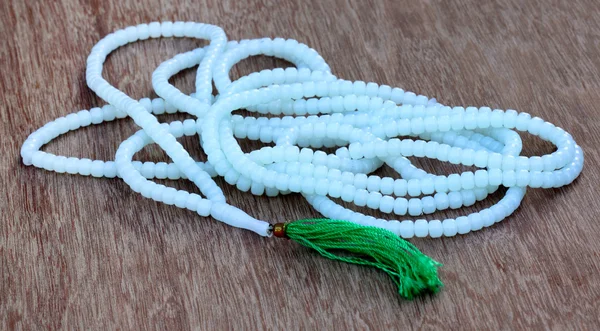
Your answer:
<point x="369" y="124"/>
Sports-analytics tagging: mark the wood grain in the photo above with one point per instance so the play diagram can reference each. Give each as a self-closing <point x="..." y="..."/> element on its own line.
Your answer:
<point x="84" y="253"/>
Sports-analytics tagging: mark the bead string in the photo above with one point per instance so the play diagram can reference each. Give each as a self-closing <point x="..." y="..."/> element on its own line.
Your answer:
<point x="364" y="121"/>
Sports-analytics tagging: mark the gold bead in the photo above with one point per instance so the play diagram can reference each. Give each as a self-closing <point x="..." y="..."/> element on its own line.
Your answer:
<point x="279" y="230"/>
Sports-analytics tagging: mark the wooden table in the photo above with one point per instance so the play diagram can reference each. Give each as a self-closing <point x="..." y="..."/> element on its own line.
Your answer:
<point x="79" y="253"/>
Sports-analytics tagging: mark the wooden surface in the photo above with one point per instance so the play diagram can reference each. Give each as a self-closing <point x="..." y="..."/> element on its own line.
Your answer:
<point x="79" y="253"/>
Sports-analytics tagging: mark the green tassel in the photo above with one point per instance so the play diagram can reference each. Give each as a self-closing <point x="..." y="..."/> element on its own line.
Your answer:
<point x="413" y="272"/>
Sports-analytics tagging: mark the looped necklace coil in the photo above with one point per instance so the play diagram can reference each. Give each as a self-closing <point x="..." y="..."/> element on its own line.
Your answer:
<point x="368" y="124"/>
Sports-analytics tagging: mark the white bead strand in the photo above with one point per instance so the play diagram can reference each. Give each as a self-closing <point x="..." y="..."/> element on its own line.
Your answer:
<point x="370" y="125"/>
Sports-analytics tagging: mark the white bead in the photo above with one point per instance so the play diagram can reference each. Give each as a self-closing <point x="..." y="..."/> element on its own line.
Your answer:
<point x="414" y="188"/>
<point x="436" y="229"/>
<point x="441" y="201"/>
<point x="407" y="229"/>
<point x="400" y="206"/>
<point x="386" y="204"/>
<point x="373" y="200"/>
<point x="415" y="207"/>
<point x="468" y="180"/>
<point x="387" y="185"/>
<point x="468" y="198"/>
<point x="441" y="184"/>
<point x="360" y="197"/>
<point x="481" y="178"/>
<point x="335" y="190"/>
<point x="495" y="177"/>
<point x="454" y="182"/>
<point x="454" y="200"/>
<point x="429" y="204"/>
<point x="373" y="183"/>
<point x="476" y="221"/>
<point x="450" y="228"/>
<point x="463" y="225"/>
<point x="509" y="178"/>
<point x="421" y="228"/>
<point x="400" y="187"/>
<point x="480" y="159"/>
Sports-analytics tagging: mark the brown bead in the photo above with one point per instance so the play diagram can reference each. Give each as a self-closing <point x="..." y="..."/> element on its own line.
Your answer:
<point x="279" y="230"/>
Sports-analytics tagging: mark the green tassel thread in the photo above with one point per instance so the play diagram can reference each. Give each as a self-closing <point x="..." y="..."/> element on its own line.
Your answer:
<point x="413" y="272"/>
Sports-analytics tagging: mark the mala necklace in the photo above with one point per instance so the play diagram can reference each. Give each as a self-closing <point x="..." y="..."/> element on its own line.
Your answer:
<point x="364" y="121"/>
